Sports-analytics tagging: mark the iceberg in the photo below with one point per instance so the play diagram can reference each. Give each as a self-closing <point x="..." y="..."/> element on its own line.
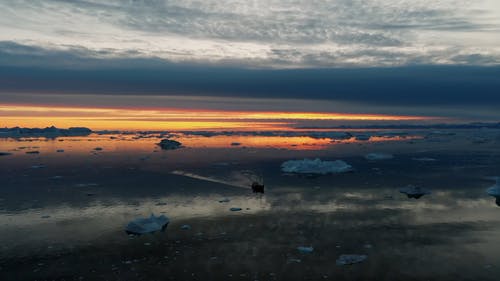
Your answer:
<point x="378" y="156"/>
<point x="147" y="225"/>
<point x="169" y="144"/>
<point x="316" y="166"/>
<point x="414" y="191"/>
<point x="350" y="259"/>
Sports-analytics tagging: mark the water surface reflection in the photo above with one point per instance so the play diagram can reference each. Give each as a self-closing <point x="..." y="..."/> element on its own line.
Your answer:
<point x="73" y="210"/>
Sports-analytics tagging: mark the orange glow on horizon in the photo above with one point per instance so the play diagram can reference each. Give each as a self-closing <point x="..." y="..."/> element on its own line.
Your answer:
<point x="170" y="118"/>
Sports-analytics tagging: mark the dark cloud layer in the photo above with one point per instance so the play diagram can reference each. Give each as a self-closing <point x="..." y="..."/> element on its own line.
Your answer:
<point x="422" y="85"/>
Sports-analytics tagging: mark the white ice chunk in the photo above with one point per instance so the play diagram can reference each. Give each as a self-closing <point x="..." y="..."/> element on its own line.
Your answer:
<point x="316" y="166"/>
<point x="378" y="156"/>
<point x="350" y="259"/>
<point x="305" y="249"/>
<point x="147" y="225"/>
<point x="495" y="189"/>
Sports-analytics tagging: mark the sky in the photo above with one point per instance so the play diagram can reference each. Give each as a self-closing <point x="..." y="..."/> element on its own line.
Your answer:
<point x="437" y="61"/>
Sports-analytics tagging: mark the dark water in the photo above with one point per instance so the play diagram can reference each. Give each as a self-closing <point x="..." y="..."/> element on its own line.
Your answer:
<point x="62" y="214"/>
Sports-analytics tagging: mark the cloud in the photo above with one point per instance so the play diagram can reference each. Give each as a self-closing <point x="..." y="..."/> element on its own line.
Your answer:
<point x="261" y="33"/>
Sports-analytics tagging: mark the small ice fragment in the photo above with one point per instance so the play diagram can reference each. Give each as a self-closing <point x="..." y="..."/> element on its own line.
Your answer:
<point x="33" y="152"/>
<point x="169" y="144"/>
<point x="378" y="156"/>
<point x="424" y="159"/>
<point x="147" y="225"/>
<point x="56" y="177"/>
<point x="37" y="166"/>
<point x="5" y="153"/>
<point x="60" y="150"/>
<point x="86" y="184"/>
<point x="350" y="259"/>
<point x="224" y="200"/>
<point x="235" y="143"/>
<point x="290" y="260"/>
<point x="98" y="148"/>
<point x="305" y="250"/>
<point x="414" y="191"/>
<point x="161" y="204"/>
<point x="234" y="209"/>
<point x="316" y="166"/>
<point x="186" y="227"/>
<point x="45" y="217"/>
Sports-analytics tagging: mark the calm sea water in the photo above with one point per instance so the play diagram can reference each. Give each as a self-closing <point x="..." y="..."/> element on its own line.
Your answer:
<point x="62" y="214"/>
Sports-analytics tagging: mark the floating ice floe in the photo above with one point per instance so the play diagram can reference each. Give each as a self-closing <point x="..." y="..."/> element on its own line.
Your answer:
<point x="147" y="225"/>
<point x="60" y="150"/>
<point x="234" y="209"/>
<point x="186" y="227"/>
<point x="305" y="250"/>
<point x="235" y="143"/>
<point x="316" y="166"/>
<point x="98" y="148"/>
<point x="169" y="144"/>
<point x="495" y="191"/>
<point x="350" y="259"/>
<point x="224" y="200"/>
<point x="378" y="156"/>
<point x="414" y="191"/>
<point x="33" y="152"/>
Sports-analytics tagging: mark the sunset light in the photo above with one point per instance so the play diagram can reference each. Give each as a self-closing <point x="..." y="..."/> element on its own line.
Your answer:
<point x="171" y="118"/>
